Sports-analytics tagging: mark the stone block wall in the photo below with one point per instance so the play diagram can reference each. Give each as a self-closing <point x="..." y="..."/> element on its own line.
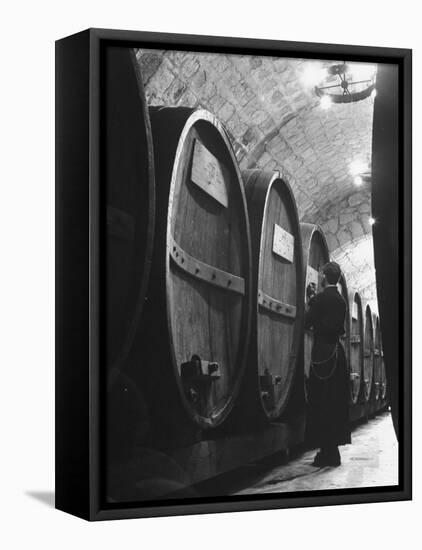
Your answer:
<point x="349" y="236"/>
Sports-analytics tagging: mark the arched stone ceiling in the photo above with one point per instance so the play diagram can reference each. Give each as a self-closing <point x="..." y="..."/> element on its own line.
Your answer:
<point x="275" y="121"/>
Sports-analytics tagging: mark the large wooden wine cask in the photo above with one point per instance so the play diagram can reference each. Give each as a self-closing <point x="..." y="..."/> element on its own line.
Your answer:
<point x="315" y="255"/>
<point x="356" y="344"/>
<point x="129" y="199"/>
<point x="199" y="308"/>
<point x="368" y="354"/>
<point x="377" y="357"/>
<point x="277" y="288"/>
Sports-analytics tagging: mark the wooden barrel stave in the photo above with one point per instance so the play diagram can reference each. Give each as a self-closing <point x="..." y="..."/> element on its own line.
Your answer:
<point x="277" y="288"/>
<point x="368" y="354"/>
<point x="315" y="256"/>
<point x="383" y="376"/>
<point x="377" y="358"/>
<point x="356" y="340"/>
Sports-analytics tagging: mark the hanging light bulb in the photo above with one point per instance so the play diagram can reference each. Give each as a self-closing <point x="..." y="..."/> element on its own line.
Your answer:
<point x="325" y="102"/>
<point x="348" y="82"/>
<point x="358" y="167"/>
<point x="371" y="220"/>
<point x="358" y="180"/>
<point x="362" y="71"/>
<point x="313" y="73"/>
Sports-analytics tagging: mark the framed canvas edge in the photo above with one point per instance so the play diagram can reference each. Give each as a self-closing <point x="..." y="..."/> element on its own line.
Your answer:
<point x="253" y="45"/>
<point x="403" y="57"/>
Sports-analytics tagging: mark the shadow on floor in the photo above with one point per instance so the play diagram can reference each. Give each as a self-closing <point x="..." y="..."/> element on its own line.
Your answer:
<point x="45" y="497"/>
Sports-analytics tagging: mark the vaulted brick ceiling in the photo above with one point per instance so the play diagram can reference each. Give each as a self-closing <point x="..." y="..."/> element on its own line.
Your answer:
<point x="275" y="121"/>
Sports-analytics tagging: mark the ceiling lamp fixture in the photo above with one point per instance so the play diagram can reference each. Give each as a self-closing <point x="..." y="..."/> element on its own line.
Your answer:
<point x="313" y="73"/>
<point x="326" y="102"/>
<point x="358" y="167"/>
<point x="348" y="83"/>
<point x="360" y="172"/>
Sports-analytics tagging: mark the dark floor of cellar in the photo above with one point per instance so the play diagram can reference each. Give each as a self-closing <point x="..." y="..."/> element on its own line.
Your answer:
<point x="370" y="461"/>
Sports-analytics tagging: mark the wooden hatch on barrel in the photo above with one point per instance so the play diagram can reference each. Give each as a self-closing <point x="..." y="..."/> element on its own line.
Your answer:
<point x="277" y="288"/>
<point x="345" y="339"/>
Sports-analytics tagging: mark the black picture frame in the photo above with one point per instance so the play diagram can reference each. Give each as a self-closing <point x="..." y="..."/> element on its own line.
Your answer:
<point x="78" y="272"/>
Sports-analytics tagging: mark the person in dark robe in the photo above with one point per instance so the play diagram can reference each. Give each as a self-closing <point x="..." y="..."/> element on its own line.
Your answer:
<point x="328" y="423"/>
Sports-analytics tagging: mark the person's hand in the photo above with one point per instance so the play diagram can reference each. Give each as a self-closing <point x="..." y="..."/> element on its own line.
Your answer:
<point x="310" y="291"/>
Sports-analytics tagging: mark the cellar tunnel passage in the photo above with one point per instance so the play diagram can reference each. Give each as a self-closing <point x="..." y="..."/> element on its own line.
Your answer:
<point x="357" y="261"/>
<point x="348" y="230"/>
<point x="275" y="121"/>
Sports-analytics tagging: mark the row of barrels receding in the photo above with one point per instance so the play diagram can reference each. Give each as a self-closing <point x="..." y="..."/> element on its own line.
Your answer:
<point x="207" y="266"/>
<point x="362" y="339"/>
<point x="366" y="357"/>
